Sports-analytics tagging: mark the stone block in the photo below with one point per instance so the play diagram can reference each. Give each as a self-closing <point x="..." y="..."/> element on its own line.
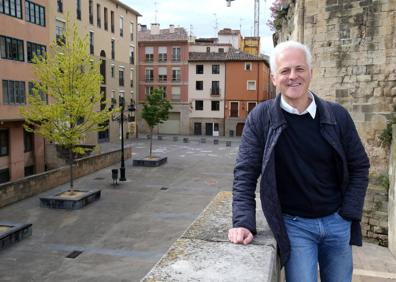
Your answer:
<point x="70" y="202"/>
<point x="195" y="256"/>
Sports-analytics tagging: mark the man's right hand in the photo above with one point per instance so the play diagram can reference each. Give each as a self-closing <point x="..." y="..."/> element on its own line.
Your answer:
<point x="240" y="235"/>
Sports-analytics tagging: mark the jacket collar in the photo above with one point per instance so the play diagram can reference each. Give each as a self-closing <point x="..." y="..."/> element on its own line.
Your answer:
<point x="277" y="118"/>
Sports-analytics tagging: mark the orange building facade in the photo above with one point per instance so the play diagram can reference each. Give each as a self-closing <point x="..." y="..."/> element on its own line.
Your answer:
<point x="247" y="84"/>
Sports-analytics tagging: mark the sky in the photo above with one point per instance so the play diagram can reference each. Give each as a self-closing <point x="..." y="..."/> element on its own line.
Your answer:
<point x="201" y="17"/>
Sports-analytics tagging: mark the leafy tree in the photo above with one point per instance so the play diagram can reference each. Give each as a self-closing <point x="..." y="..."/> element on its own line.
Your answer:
<point x="71" y="79"/>
<point x="279" y="10"/>
<point x="155" y="111"/>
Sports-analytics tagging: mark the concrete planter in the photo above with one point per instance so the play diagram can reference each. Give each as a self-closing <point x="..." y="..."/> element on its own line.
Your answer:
<point x="11" y="233"/>
<point x="147" y="162"/>
<point x="79" y="201"/>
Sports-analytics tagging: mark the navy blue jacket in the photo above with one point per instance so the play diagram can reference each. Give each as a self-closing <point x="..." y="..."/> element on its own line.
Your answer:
<point x="256" y="157"/>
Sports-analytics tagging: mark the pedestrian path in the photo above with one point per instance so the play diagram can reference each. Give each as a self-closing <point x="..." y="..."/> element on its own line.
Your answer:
<point x="373" y="263"/>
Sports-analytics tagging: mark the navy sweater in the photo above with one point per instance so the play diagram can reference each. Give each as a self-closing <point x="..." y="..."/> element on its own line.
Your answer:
<point x="306" y="169"/>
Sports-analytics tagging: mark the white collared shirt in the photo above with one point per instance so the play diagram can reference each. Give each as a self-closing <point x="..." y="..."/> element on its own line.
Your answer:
<point x="311" y="109"/>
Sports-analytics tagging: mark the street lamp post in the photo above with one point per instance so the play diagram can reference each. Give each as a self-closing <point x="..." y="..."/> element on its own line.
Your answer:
<point x="131" y="108"/>
<point x="122" y="168"/>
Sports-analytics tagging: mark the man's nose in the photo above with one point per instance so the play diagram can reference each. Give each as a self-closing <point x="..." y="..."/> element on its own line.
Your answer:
<point x="293" y="74"/>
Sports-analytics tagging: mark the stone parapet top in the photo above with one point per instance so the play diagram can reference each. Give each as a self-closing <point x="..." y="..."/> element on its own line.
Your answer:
<point x="203" y="252"/>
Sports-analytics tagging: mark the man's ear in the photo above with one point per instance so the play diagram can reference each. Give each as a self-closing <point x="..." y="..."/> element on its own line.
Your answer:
<point x="273" y="79"/>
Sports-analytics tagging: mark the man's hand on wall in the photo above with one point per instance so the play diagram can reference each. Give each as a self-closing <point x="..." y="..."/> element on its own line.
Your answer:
<point x="240" y="235"/>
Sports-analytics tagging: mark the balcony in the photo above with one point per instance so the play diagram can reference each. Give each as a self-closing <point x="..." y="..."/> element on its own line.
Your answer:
<point x="215" y="91"/>
<point x="176" y="59"/>
<point x="149" y="79"/>
<point x="175" y="79"/>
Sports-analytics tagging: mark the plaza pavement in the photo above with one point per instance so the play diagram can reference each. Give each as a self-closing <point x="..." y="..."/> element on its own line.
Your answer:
<point x="127" y="231"/>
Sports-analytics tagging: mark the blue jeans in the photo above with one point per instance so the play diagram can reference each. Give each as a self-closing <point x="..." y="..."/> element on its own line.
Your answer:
<point x="322" y="240"/>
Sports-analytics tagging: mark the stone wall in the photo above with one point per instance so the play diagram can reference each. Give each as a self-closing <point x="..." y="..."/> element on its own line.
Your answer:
<point x="12" y="192"/>
<point x="203" y="252"/>
<point x="353" y="45"/>
<point x="392" y="195"/>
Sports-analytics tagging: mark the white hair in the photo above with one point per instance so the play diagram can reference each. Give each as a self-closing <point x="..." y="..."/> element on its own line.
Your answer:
<point x="289" y="45"/>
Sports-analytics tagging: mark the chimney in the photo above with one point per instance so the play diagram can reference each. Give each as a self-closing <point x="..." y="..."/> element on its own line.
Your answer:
<point x="143" y="27"/>
<point x="171" y="28"/>
<point x="155" y="28"/>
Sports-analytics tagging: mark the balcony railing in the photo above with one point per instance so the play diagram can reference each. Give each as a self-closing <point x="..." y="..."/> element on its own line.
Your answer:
<point x="149" y="79"/>
<point x="176" y="58"/>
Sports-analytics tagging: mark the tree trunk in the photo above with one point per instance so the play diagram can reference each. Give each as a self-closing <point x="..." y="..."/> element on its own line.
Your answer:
<point x="71" y="157"/>
<point x="151" y="141"/>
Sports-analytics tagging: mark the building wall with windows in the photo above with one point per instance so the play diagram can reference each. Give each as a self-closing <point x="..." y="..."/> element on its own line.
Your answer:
<point x="111" y="28"/>
<point x="23" y="32"/>
<point x="207" y="90"/>
<point x="163" y="63"/>
<point x="247" y="84"/>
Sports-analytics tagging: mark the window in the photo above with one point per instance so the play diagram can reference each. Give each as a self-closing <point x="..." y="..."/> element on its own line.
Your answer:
<point x="4" y="142"/>
<point x="34" y="49"/>
<point x="11" y="48"/>
<point x="13" y="92"/>
<point x="90" y="11"/>
<point x="121" y="76"/>
<point x="91" y="42"/>
<point x="199" y="69"/>
<point x="28" y="141"/>
<point x="251" y="106"/>
<point x="162" y="54"/>
<point x="176" y="54"/>
<point x="43" y="96"/>
<point x="215" y="90"/>
<point x="208" y="49"/>
<point x="131" y="55"/>
<point x="234" y="109"/>
<point x="112" y="71"/>
<point x="221" y="50"/>
<point x="98" y="20"/>
<point x="59" y="6"/>
<point x="215" y="69"/>
<point x="11" y="7"/>
<point x="198" y="105"/>
<point x="122" y="26"/>
<point x="163" y="89"/>
<point x="35" y="13"/>
<point x="4" y="175"/>
<point x="251" y="85"/>
<point x="131" y="29"/>
<point x="113" y="49"/>
<point x="149" y="54"/>
<point x="215" y="105"/>
<point x="131" y="75"/>
<point x="103" y="70"/>
<point x="112" y="21"/>
<point x="148" y="90"/>
<point x="176" y="74"/>
<point x="149" y="74"/>
<point x="248" y="66"/>
<point x="78" y="9"/>
<point x="29" y="170"/>
<point x="162" y="75"/>
<point x="176" y="93"/>
<point x="59" y="31"/>
<point x="199" y="85"/>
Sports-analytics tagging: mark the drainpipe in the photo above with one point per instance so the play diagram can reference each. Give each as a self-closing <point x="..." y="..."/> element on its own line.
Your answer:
<point x="300" y="22"/>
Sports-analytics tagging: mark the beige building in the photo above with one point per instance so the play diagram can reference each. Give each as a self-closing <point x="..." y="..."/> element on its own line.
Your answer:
<point x="206" y="88"/>
<point x="23" y="32"/>
<point x="111" y="27"/>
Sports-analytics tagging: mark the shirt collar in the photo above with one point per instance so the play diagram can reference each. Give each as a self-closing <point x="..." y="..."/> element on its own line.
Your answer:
<point x="311" y="109"/>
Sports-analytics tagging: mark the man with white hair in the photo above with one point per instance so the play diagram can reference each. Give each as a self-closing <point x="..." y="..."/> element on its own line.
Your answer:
<point x="314" y="174"/>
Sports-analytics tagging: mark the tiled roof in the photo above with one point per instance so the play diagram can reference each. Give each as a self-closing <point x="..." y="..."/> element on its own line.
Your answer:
<point x="207" y="56"/>
<point x="231" y="55"/>
<point x="179" y="34"/>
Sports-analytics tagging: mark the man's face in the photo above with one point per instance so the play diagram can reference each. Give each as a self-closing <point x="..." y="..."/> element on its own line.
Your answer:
<point x="293" y="75"/>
